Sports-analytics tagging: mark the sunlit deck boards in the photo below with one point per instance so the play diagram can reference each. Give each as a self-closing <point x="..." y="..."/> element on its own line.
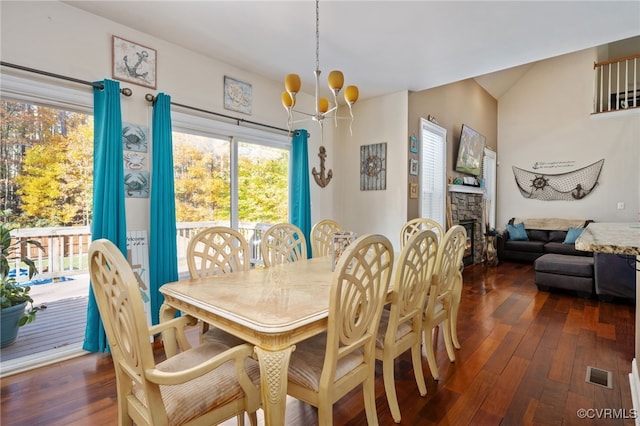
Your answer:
<point x="62" y="323"/>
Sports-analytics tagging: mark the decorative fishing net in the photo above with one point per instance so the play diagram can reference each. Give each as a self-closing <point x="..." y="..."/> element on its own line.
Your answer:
<point x="573" y="185"/>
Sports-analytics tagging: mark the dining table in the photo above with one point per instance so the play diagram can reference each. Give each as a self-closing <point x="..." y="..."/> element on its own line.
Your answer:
<point x="272" y="308"/>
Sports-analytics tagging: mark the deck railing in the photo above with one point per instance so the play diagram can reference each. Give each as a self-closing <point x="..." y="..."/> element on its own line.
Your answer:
<point x="66" y="249"/>
<point x="616" y="84"/>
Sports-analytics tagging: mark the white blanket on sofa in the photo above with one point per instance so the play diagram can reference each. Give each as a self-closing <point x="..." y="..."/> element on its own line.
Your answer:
<point x="550" y="224"/>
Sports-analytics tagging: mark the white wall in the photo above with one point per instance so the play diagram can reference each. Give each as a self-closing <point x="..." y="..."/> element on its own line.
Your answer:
<point x="546" y="117"/>
<point x="382" y="119"/>
<point x="55" y="37"/>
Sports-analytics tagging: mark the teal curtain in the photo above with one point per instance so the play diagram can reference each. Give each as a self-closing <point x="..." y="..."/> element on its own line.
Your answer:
<point x="163" y="252"/>
<point x="109" y="220"/>
<point x="299" y="193"/>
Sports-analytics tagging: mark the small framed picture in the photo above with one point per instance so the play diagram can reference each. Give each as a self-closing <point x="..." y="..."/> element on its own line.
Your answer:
<point x="413" y="190"/>
<point x="413" y="168"/>
<point x="135" y="137"/>
<point x="237" y="95"/>
<point x="413" y="144"/>
<point x="134" y="63"/>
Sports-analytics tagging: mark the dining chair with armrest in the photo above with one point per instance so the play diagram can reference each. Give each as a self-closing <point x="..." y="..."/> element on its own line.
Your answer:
<point x="326" y="367"/>
<point x="440" y="297"/>
<point x="401" y="325"/>
<point x="420" y="224"/>
<point x="206" y="384"/>
<point x="283" y="243"/>
<point x="322" y="237"/>
<point x="217" y="250"/>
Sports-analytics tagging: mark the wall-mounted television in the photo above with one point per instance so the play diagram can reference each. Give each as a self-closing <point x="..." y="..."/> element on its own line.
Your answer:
<point x="470" y="151"/>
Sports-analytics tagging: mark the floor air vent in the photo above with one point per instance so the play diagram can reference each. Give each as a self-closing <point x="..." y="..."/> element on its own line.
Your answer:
<point x="599" y="377"/>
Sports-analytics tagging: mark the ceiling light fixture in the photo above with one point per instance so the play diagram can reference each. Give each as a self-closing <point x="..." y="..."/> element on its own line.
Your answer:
<point x="336" y="81"/>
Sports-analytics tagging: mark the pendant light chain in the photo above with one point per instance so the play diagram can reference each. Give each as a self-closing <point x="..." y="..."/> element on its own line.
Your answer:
<point x="317" y="35"/>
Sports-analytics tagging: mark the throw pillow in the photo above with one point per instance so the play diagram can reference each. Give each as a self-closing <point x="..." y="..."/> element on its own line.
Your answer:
<point x="572" y="235"/>
<point x="517" y="232"/>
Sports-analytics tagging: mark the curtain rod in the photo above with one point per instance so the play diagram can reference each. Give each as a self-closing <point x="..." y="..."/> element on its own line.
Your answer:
<point x="125" y="90"/>
<point x="152" y="99"/>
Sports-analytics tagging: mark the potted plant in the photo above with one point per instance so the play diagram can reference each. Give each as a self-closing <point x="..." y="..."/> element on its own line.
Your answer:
<point x="16" y="305"/>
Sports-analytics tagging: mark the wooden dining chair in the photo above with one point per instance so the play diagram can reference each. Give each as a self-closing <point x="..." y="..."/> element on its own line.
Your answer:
<point x="283" y="243"/>
<point x="206" y="384"/>
<point x="456" y="294"/>
<point x="440" y="297"/>
<point x="217" y="250"/>
<point x="401" y="325"/>
<point x="326" y="367"/>
<point x="322" y="237"/>
<point x="419" y="224"/>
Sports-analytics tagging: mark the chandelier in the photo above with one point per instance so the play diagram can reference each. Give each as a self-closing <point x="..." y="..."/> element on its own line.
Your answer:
<point x="336" y="81"/>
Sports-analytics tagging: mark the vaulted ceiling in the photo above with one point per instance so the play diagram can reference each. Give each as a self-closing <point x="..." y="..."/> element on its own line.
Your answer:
<point x="381" y="46"/>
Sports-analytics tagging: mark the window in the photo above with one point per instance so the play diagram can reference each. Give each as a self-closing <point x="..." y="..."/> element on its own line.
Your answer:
<point x="433" y="174"/>
<point x="489" y="176"/>
<point x="227" y="175"/>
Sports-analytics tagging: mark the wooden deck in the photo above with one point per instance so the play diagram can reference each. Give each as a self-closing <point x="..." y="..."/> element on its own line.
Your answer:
<point x="61" y="324"/>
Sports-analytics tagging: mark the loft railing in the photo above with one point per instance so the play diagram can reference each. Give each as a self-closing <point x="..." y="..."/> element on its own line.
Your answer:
<point x="66" y="249"/>
<point x="617" y="84"/>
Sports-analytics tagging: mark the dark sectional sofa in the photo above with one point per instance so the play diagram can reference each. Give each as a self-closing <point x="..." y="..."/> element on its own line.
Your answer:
<point x="559" y="265"/>
<point x="544" y="236"/>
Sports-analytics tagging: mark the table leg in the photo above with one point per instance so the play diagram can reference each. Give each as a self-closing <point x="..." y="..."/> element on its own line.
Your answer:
<point x="274" y="366"/>
<point x="168" y="337"/>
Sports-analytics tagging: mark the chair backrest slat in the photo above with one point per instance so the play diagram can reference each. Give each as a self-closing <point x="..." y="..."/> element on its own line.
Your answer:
<point x="217" y="250"/>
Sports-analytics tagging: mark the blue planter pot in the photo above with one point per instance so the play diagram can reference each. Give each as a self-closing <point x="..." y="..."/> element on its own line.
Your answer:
<point x="9" y="318"/>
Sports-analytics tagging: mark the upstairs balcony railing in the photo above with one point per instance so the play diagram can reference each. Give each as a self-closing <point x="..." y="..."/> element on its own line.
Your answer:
<point x="617" y="84"/>
<point x="66" y="249"/>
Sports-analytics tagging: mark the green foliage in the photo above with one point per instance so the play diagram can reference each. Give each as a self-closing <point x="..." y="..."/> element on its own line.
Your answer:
<point x="202" y="182"/>
<point x="46" y="167"/>
<point x="11" y="293"/>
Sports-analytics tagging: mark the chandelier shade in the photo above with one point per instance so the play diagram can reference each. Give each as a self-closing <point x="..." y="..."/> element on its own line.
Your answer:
<point x="323" y="109"/>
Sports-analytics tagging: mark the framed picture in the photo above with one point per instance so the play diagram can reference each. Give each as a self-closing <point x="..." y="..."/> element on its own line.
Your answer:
<point x="413" y="190"/>
<point x="134" y="63"/>
<point x="136" y="184"/>
<point x="237" y="95"/>
<point x="413" y="144"/>
<point x="135" y="137"/>
<point x="413" y="168"/>
<point x="373" y="167"/>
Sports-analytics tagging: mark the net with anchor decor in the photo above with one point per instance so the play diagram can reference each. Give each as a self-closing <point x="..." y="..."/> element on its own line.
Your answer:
<point x="573" y="185"/>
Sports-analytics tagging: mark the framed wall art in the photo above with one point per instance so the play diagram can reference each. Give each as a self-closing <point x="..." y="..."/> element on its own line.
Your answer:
<point x="413" y="190"/>
<point x="373" y="167"/>
<point x="237" y="95"/>
<point x="413" y="167"/>
<point x="134" y="63"/>
<point x="135" y="137"/>
<point x="413" y="144"/>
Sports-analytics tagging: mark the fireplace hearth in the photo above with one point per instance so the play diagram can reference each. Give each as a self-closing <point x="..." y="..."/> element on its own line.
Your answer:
<point x="467" y="208"/>
<point x="469" y="226"/>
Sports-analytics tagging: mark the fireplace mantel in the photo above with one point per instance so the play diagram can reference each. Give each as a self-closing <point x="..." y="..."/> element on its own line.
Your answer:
<point x="466" y="188"/>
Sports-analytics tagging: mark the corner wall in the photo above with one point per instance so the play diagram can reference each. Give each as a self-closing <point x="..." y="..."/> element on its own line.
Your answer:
<point x="545" y="118"/>
<point x="455" y="104"/>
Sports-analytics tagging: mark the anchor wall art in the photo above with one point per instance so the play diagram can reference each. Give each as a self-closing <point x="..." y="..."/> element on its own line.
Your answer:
<point x="573" y="185"/>
<point x="134" y="63"/>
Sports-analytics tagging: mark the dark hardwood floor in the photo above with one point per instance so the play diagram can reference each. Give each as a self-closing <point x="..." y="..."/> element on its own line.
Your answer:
<point x="523" y="360"/>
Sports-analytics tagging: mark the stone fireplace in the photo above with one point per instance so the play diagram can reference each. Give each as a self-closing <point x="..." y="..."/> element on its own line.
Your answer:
<point x="467" y="205"/>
